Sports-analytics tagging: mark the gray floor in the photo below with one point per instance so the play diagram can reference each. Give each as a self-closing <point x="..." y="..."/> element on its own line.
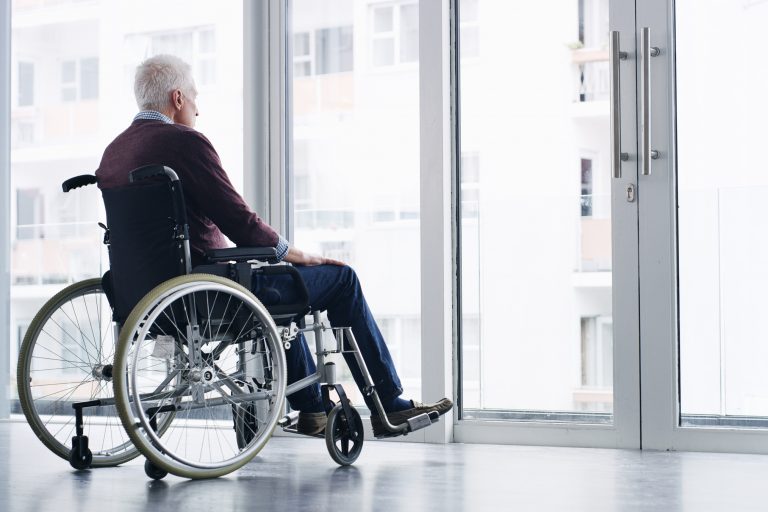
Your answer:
<point x="297" y="474"/>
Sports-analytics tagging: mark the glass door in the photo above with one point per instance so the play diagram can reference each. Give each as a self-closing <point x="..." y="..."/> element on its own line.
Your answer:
<point x="702" y="217"/>
<point x="547" y="223"/>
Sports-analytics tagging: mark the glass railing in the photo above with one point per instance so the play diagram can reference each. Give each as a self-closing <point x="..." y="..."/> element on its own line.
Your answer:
<point x="594" y="233"/>
<point x="722" y="303"/>
<point x="60" y="253"/>
<point x="593" y="74"/>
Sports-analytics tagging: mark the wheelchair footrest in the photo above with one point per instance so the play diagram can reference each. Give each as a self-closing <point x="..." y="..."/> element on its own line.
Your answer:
<point x="422" y="421"/>
<point x="294" y="429"/>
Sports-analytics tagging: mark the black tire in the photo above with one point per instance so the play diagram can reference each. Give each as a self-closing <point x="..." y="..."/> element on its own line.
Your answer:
<point x="60" y="361"/>
<point x="344" y="436"/>
<point x="80" y="459"/>
<point x="154" y="472"/>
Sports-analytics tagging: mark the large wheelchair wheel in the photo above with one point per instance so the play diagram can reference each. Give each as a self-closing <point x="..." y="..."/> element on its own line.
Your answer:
<point x="66" y="358"/>
<point x="204" y="349"/>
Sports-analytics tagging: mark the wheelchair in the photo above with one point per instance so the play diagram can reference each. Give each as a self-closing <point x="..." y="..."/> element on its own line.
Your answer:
<point x="181" y="364"/>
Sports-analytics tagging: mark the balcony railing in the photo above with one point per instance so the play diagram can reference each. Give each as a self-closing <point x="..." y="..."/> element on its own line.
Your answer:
<point x="56" y="253"/>
<point x="593" y="74"/>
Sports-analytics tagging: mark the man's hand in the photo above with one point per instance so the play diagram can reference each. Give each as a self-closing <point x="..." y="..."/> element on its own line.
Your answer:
<point x="299" y="257"/>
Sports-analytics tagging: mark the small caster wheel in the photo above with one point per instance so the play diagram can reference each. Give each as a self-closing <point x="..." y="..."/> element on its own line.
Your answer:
<point x="344" y="436"/>
<point x="80" y="457"/>
<point x="153" y="471"/>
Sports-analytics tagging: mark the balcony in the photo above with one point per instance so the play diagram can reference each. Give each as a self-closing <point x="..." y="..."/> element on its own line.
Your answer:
<point x="593" y="82"/>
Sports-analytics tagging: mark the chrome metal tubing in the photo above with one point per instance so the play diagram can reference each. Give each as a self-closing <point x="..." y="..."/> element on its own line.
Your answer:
<point x="383" y="415"/>
<point x="369" y="382"/>
<point x="646" y="51"/>
<point x="215" y="402"/>
<point x="358" y="357"/>
<point x="616" y="56"/>
<point x="303" y="383"/>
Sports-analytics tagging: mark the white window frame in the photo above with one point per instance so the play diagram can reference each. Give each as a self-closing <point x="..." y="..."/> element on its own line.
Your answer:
<point x="267" y="125"/>
<point x="5" y="206"/>
<point x="624" y="431"/>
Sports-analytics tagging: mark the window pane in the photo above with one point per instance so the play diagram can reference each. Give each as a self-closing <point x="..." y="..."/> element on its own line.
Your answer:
<point x="301" y="44"/>
<point x="68" y="71"/>
<point x="721" y="185"/>
<point x="409" y="33"/>
<point x="383" y="52"/>
<point x="536" y="330"/>
<point x="26" y="84"/>
<point x="333" y="50"/>
<point x="89" y="79"/>
<point x="301" y="69"/>
<point x="81" y="49"/>
<point x="207" y="41"/>
<point x="356" y="175"/>
<point x="383" y="20"/>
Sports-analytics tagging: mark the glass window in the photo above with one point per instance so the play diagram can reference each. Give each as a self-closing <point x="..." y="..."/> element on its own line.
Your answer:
<point x="383" y="20"/>
<point x="302" y="55"/>
<point x="394" y="34"/>
<point x="469" y="28"/>
<point x="333" y="50"/>
<point x="586" y="187"/>
<point x="409" y="33"/>
<point x="79" y="50"/>
<point x="721" y="214"/>
<point x="29" y="213"/>
<point x="383" y="52"/>
<point x="536" y="332"/>
<point x="69" y="81"/>
<point x="89" y="79"/>
<point x="355" y="197"/>
<point x="26" y="84"/>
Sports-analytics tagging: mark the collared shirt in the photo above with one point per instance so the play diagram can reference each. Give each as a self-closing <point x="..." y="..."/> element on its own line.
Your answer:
<point x="154" y="115"/>
<point x="236" y="202"/>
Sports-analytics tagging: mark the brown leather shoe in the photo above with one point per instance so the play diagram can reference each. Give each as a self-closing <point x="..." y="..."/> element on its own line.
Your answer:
<point x="311" y="423"/>
<point x="396" y="418"/>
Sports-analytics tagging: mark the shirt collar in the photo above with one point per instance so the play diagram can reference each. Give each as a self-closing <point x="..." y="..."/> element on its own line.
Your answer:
<point x="154" y="115"/>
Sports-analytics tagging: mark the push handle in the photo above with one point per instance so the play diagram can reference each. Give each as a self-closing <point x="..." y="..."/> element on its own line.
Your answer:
<point x="78" y="181"/>
<point x="647" y="51"/>
<point x="616" y="57"/>
<point x="151" y="171"/>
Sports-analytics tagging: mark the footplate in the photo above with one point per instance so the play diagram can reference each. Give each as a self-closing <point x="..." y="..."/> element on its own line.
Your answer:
<point x="422" y="421"/>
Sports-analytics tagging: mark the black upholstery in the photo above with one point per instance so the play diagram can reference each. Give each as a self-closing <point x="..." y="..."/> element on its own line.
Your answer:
<point x="147" y="228"/>
<point x="143" y="252"/>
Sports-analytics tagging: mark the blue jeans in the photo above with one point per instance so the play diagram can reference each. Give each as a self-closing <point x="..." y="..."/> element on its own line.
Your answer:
<point x="337" y="290"/>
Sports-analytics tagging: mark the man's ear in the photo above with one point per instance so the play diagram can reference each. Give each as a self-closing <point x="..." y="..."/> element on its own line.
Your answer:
<point x="176" y="98"/>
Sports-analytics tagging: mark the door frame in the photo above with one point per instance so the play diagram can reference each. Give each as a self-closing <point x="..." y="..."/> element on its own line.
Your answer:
<point x="624" y="432"/>
<point x="659" y="309"/>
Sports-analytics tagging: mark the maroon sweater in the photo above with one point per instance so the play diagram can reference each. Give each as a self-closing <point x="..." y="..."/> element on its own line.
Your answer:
<point x="213" y="205"/>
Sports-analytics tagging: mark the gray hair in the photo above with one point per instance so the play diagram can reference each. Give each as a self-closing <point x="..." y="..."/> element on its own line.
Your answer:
<point x="157" y="77"/>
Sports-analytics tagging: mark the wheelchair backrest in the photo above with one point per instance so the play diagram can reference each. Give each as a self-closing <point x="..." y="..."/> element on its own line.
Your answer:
<point x="144" y="248"/>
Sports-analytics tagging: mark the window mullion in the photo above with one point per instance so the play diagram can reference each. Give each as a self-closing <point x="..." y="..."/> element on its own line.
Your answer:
<point x="436" y="225"/>
<point x="5" y="193"/>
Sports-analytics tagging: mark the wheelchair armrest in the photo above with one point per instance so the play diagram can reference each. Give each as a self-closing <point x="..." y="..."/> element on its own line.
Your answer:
<point x="267" y="254"/>
<point x="299" y="308"/>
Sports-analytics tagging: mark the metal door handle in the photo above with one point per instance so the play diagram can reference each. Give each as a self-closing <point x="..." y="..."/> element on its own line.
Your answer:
<point x="647" y="51"/>
<point x="616" y="56"/>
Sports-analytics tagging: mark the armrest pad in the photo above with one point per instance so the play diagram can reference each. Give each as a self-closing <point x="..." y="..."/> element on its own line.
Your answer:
<point x="242" y="254"/>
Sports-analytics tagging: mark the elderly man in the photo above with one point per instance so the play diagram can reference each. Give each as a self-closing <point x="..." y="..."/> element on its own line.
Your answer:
<point x="163" y="132"/>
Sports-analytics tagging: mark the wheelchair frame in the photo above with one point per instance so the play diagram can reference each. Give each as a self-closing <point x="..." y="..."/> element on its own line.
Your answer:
<point x="344" y="424"/>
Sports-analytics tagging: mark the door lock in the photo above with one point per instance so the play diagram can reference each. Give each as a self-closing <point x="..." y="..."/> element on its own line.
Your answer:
<point x="631" y="193"/>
